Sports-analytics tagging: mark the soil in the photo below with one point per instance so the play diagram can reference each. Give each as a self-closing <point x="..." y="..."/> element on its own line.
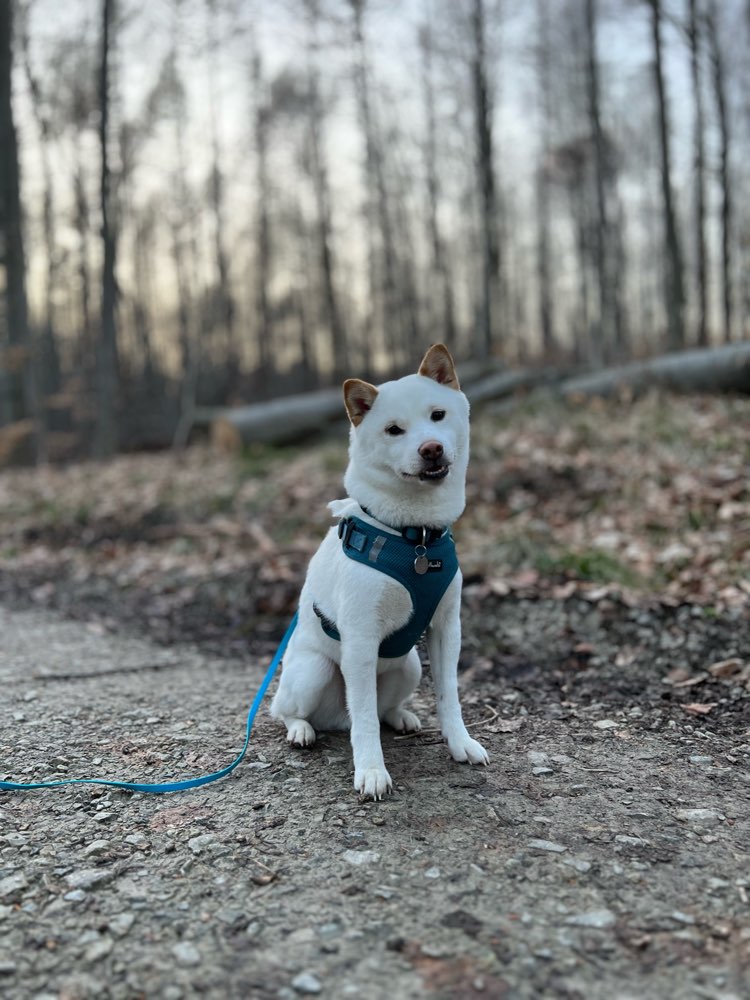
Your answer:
<point x="604" y="853"/>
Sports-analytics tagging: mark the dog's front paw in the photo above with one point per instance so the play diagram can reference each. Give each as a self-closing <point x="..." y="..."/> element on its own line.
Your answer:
<point x="372" y="782"/>
<point x="469" y="750"/>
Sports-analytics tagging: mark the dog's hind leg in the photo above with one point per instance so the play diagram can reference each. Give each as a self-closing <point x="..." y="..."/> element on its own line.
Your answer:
<point x="395" y="687"/>
<point x="310" y="692"/>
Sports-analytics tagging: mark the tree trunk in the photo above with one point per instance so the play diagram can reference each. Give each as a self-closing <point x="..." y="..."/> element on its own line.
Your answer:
<point x="441" y="291"/>
<point x="674" y="293"/>
<point x="718" y="369"/>
<point x="699" y="167"/>
<point x="47" y="361"/>
<point x="490" y="302"/>
<point x="722" y="113"/>
<point x="319" y="169"/>
<point x="610" y="322"/>
<point x="264" y="319"/>
<point x="18" y="364"/>
<point x="106" y="434"/>
<point x="224" y="310"/>
<point x="543" y="213"/>
<point x="382" y="266"/>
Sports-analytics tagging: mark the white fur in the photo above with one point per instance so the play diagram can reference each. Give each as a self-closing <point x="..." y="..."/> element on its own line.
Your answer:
<point x="326" y="684"/>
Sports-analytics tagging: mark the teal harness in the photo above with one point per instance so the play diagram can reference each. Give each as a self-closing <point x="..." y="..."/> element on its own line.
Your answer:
<point x="421" y="559"/>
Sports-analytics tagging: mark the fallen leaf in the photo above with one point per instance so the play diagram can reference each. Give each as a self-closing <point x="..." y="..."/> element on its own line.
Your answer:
<point x="726" y="668"/>
<point x="700" y="708"/>
<point x="690" y="681"/>
<point x="507" y="726"/>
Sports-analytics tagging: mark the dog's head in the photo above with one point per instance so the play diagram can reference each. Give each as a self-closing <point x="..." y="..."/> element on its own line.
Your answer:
<point x="409" y="444"/>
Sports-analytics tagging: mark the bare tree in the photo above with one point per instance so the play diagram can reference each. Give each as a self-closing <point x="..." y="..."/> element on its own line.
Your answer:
<point x="699" y="168"/>
<point x="674" y="293"/>
<point x="47" y="360"/>
<point x="610" y="318"/>
<point x="441" y="284"/>
<point x="725" y="183"/>
<point x="223" y="308"/>
<point x="331" y="312"/>
<point x="382" y="257"/>
<point x="17" y="361"/>
<point x="543" y="185"/>
<point x="106" y="434"/>
<point x="262" y="227"/>
<point x="487" y="334"/>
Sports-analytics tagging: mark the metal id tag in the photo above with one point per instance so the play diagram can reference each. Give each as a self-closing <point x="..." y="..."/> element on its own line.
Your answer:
<point x="421" y="563"/>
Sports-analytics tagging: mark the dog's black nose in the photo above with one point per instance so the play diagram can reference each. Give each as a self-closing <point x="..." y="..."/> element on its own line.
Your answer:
<point x="431" y="451"/>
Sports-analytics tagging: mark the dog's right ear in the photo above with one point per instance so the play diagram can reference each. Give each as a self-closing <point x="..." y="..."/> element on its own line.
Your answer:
<point x="358" y="398"/>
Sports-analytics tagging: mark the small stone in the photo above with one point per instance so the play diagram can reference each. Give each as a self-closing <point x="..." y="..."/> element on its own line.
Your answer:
<point x="702" y="761"/>
<point x="96" y="847"/>
<point x="12" y="886"/>
<point x="7" y="967"/>
<point x="361" y="857"/>
<point x="88" y="877"/>
<point x="537" y="757"/>
<point x="121" y="923"/>
<point x="432" y="873"/>
<point x="623" y="838"/>
<point x="682" y="918"/>
<point x="606" y="724"/>
<point x="306" y="982"/>
<point x="579" y="864"/>
<point x="137" y="840"/>
<point x="435" y="951"/>
<point x="199" y="844"/>
<point x="538" y="771"/>
<point x="15" y="839"/>
<point x="701" y="815"/>
<point x="599" y="919"/>
<point x="98" y="950"/>
<point x="74" y="896"/>
<point x="546" y="845"/>
<point x="186" y="954"/>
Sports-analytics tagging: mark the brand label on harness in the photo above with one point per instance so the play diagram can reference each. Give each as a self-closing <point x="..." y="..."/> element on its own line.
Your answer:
<point x="434" y="565"/>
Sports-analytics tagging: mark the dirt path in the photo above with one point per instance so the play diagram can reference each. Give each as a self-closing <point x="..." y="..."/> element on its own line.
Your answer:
<point x="603" y="854"/>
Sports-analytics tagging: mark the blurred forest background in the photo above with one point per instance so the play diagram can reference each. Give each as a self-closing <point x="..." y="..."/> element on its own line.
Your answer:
<point x="211" y="202"/>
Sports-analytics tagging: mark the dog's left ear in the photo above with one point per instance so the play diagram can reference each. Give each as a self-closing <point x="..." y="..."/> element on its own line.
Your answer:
<point x="437" y="364"/>
<point x="358" y="399"/>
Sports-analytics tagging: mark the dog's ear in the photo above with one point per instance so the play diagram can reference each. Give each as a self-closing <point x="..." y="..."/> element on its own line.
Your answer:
<point x="437" y="364"/>
<point x="358" y="398"/>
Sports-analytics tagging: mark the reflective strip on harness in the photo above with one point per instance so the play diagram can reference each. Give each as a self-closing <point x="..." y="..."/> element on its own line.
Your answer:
<point x="394" y="555"/>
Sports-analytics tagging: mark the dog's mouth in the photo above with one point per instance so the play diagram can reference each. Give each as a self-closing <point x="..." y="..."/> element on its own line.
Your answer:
<point x="430" y="474"/>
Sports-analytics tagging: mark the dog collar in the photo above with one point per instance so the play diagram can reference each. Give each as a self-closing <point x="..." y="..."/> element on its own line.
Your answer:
<point x="419" y="534"/>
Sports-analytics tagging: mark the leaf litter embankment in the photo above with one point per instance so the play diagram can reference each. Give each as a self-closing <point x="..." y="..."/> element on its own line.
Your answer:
<point x="605" y="548"/>
<point x="605" y="662"/>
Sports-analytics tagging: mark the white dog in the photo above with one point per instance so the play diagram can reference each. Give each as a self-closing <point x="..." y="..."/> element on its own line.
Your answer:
<point x="386" y="575"/>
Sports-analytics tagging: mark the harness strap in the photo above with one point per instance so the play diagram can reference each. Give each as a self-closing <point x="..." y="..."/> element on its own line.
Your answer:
<point x="394" y="555"/>
<point x="159" y="788"/>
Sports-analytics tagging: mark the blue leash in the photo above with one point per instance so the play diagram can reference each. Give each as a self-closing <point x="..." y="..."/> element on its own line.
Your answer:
<point x="157" y="788"/>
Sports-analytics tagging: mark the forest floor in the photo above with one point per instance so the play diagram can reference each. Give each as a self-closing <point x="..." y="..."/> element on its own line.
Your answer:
<point x="604" y="853"/>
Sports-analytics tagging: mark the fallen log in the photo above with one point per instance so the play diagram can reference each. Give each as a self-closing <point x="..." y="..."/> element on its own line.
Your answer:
<point x="712" y="369"/>
<point x="502" y="384"/>
<point x="293" y="418"/>
<point x="280" y="421"/>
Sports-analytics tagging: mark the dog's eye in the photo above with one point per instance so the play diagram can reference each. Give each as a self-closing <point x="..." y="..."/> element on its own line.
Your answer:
<point x="394" y="430"/>
<point x="437" y="415"/>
